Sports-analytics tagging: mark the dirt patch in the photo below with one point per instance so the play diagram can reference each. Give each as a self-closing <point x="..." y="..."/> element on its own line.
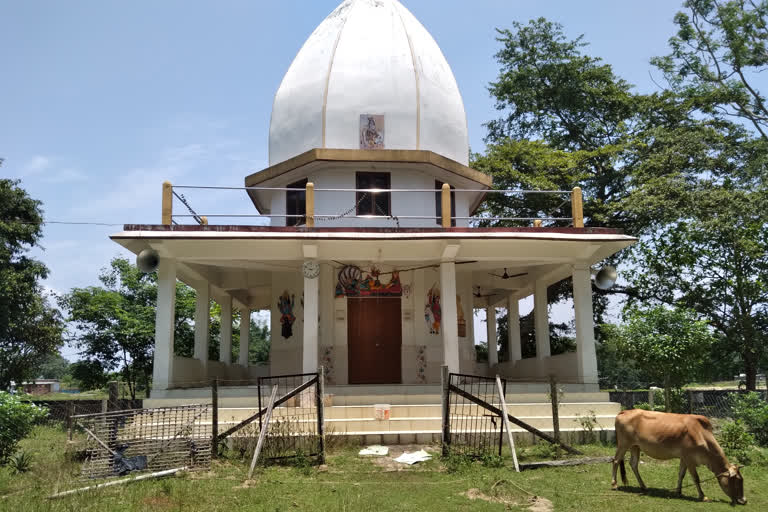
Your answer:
<point x="539" y="504"/>
<point x="477" y="494"/>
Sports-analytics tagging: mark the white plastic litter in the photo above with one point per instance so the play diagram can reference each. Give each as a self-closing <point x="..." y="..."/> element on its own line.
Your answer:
<point x="375" y="450"/>
<point x="413" y="458"/>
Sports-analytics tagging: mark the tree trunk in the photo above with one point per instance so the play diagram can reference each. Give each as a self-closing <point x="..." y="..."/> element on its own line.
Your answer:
<point x="750" y="369"/>
<point x="667" y="395"/>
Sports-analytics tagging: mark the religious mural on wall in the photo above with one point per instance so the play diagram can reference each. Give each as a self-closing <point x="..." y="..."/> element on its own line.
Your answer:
<point x="432" y="311"/>
<point x="285" y="304"/>
<point x="351" y="283"/>
<point x="371" y="131"/>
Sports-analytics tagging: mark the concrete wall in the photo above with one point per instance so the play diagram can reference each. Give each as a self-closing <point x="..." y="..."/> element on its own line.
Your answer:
<point x="403" y="203"/>
<point x="190" y="373"/>
<point x="564" y="366"/>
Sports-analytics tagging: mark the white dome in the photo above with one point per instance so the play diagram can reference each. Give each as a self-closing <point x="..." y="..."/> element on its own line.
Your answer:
<point x="369" y="57"/>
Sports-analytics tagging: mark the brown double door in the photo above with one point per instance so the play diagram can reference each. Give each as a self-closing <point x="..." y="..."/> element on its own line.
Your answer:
<point x="374" y="339"/>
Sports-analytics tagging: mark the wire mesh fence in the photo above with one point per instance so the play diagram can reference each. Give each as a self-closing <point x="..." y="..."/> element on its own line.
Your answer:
<point x="146" y="440"/>
<point x="714" y="403"/>
<point x="59" y="412"/>
<point x="474" y="430"/>
<point x="294" y="429"/>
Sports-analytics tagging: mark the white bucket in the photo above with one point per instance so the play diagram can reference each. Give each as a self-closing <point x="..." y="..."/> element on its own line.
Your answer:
<point x="381" y="411"/>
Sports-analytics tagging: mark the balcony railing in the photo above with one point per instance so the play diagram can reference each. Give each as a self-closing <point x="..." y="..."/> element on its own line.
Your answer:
<point x="311" y="216"/>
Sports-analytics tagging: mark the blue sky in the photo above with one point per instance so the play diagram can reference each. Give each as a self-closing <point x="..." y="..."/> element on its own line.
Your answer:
<point x="101" y="101"/>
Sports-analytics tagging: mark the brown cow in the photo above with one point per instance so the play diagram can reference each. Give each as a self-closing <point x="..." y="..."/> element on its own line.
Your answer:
<point x="671" y="436"/>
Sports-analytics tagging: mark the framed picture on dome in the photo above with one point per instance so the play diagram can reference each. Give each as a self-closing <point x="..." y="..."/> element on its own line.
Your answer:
<point x="371" y="131"/>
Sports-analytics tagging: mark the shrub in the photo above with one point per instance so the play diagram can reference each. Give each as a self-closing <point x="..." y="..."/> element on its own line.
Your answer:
<point x="20" y="462"/>
<point x="752" y="410"/>
<point x="736" y="441"/>
<point x="17" y="419"/>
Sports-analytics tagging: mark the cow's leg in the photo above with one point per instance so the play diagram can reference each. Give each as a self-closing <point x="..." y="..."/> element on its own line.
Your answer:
<point x="634" y="460"/>
<point x="619" y="459"/>
<point x="695" y="476"/>
<point x="680" y="476"/>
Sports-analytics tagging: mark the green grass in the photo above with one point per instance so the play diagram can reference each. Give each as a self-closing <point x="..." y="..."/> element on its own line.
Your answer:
<point x="355" y="484"/>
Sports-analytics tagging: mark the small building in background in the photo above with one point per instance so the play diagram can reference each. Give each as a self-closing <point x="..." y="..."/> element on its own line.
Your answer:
<point x="41" y="386"/>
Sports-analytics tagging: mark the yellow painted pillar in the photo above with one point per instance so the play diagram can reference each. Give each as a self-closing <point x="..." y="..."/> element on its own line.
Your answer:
<point x="310" y="204"/>
<point x="167" y="203"/>
<point x="204" y="220"/>
<point x="537" y="223"/>
<point x="577" y="208"/>
<point x="445" y="203"/>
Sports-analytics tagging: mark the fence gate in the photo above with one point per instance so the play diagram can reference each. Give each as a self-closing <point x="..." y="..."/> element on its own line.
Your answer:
<point x="473" y="429"/>
<point x="138" y="440"/>
<point x="296" y="426"/>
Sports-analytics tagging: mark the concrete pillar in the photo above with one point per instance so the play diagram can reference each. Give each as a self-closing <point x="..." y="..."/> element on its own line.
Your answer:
<point x="225" y="345"/>
<point x="493" y="348"/>
<point x="311" y="325"/>
<point x="541" y="316"/>
<point x="202" y="322"/>
<point x="585" y="330"/>
<point x="162" y="372"/>
<point x="449" y="325"/>
<point x="245" y="336"/>
<point x="513" y="330"/>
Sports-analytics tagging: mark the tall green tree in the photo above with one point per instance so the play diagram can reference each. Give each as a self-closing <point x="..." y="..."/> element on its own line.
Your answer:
<point x="114" y="324"/>
<point x="716" y="57"/>
<point x="30" y="329"/>
<point x="670" y="345"/>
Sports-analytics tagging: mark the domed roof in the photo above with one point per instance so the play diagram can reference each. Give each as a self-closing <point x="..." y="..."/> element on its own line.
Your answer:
<point x="369" y="65"/>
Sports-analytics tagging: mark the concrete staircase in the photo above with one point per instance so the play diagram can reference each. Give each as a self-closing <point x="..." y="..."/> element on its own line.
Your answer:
<point x="415" y="411"/>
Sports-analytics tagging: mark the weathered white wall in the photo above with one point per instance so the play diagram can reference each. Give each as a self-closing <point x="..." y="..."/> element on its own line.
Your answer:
<point x="403" y="203"/>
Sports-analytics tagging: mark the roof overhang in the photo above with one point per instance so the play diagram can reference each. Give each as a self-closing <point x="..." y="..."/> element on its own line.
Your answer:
<point x="301" y="166"/>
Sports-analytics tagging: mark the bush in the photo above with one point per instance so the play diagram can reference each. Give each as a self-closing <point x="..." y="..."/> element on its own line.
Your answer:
<point x="17" y="419"/>
<point x="752" y="411"/>
<point x="736" y="441"/>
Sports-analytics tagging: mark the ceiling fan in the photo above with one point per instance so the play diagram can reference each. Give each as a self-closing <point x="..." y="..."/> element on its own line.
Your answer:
<point x="480" y="295"/>
<point x="505" y="275"/>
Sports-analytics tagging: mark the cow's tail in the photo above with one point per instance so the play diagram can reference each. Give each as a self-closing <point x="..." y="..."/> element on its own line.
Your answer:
<point x="623" y="472"/>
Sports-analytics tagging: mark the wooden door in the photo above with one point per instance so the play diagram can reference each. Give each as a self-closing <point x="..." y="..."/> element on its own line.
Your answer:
<point x="374" y="339"/>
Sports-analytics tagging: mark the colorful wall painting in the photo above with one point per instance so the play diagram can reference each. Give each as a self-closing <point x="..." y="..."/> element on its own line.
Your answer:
<point x="285" y="304"/>
<point x="421" y="364"/>
<point x="371" y="131"/>
<point x="462" y="323"/>
<point x="326" y="359"/>
<point x="432" y="311"/>
<point x="352" y="284"/>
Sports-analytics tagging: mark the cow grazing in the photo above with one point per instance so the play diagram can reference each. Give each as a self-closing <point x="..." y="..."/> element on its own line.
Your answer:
<point x="671" y="436"/>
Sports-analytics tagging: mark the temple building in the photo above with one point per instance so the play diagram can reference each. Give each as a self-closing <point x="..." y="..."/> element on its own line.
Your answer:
<point x="372" y="262"/>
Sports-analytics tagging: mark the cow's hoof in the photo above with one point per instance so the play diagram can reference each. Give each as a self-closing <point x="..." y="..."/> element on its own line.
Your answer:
<point x="705" y="499"/>
<point x="614" y="487"/>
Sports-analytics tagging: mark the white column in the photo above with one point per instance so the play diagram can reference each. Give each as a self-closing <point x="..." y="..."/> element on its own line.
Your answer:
<point x="585" y="333"/>
<point x="245" y="336"/>
<point x="162" y="370"/>
<point x="202" y="322"/>
<point x="541" y="316"/>
<point x="513" y="328"/>
<point x="225" y="345"/>
<point x="311" y="324"/>
<point x="449" y="326"/>
<point x="493" y="349"/>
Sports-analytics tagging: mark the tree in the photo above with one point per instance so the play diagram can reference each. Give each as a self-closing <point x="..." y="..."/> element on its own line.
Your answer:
<point x="670" y="345"/>
<point x="719" y="49"/>
<point x="30" y="328"/>
<point x="53" y="366"/>
<point x="89" y="374"/>
<point x="114" y="324"/>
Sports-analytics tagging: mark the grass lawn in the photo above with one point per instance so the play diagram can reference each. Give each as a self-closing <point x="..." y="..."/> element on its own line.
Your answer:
<point x="351" y="483"/>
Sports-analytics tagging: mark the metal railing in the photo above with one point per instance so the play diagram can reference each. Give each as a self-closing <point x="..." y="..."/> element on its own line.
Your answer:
<point x="311" y="216"/>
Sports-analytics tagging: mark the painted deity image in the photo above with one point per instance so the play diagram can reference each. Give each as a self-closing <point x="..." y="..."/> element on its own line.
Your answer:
<point x="371" y="131"/>
<point x="432" y="311"/>
<point x="285" y="305"/>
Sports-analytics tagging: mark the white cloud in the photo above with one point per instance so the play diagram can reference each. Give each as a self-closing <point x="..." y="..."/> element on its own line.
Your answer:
<point x="67" y="175"/>
<point x="36" y="165"/>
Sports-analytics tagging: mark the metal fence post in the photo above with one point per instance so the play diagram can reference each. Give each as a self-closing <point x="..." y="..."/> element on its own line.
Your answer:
<point x="555" y="411"/>
<point x="70" y="413"/>
<point x="445" y="381"/>
<point x="690" y="402"/>
<point x="215" y="418"/>
<point x="321" y="412"/>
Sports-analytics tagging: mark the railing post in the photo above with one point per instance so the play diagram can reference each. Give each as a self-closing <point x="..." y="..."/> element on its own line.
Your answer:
<point x="310" y="204"/>
<point x="113" y="393"/>
<point x="215" y="418"/>
<point x="577" y="208"/>
<point x="537" y="223"/>
<point x="204" y="220"/>
<point x="555" y="411"/>
<point x="70" y="421"/>
<point x="445" y="381"/>
<point x="321" y="411"/>
<point x="445" y="204"/>
<point x="167" y="203"/>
